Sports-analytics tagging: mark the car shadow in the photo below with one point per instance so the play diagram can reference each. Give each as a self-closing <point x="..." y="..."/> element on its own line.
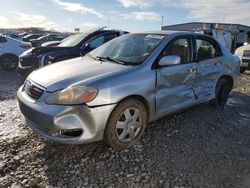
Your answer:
<point x="199" y="147"/>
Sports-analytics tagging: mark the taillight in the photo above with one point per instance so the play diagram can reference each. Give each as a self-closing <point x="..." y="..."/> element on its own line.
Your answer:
<point x="25" y="46"/>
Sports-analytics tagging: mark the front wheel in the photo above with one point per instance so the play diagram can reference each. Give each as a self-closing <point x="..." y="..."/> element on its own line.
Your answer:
<point x="222" y="92"/>
<point x="126" y="124"/>
<point x="9" y="62"/>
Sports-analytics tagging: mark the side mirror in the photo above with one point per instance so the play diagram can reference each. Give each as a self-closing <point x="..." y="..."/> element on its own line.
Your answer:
<point x="170" y="60"/>
<point x="85" y="49"/>
<point x="87" y="46"/>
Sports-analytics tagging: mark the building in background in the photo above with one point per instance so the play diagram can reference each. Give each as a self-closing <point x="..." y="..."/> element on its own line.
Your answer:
<point x="240" y="34"/>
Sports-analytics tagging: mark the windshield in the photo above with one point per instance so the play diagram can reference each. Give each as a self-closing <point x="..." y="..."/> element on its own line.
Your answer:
<point x="130" y="49"/>
<point x="73" y="40"/>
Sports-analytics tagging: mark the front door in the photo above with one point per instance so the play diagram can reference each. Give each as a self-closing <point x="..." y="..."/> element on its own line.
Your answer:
<point x="174" y="89"/>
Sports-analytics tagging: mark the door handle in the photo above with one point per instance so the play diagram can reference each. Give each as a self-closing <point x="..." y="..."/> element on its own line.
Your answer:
<point x="192" y="70"/>
<point x="218" y="63"/>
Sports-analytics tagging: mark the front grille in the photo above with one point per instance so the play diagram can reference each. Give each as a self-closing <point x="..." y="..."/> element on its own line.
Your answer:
<point x="245" y="60"/>
<point x="246" y="53"/>
<point x="26" y="61"/>
<point x="32" y="90"/>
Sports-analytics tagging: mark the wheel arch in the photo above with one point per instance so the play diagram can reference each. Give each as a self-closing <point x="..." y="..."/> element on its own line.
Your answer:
<point x="229" y="79"/>
<point x="141" y="99"/>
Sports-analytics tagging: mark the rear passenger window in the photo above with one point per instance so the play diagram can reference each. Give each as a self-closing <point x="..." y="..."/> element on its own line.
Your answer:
<point x="2" y="40"/>
<point x="205" y="50"/>
<point x="109" y="36"/>
<point x="97" y="42"/>
<point x="180" y="47"/>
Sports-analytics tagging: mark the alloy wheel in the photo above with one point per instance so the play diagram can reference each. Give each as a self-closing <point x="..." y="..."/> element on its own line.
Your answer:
<point x="128" y="125"/>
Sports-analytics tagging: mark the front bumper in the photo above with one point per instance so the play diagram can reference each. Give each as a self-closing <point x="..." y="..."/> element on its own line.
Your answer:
<point x="27" y="63"/>
<point x="64" y="124"/>
<point x="245" y="62"/>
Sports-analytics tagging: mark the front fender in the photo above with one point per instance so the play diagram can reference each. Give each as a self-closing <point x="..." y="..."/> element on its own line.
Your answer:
<point x="116" y="88"/>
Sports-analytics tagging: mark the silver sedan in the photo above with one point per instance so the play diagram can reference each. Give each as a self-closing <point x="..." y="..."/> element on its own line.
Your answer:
<point x="116" y="90"/>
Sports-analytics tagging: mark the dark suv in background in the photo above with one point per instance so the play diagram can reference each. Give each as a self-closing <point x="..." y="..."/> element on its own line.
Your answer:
<point x="71" y="47"/>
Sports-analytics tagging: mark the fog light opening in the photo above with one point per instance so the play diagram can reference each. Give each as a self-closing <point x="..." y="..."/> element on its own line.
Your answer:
<point x="71" y="132"/>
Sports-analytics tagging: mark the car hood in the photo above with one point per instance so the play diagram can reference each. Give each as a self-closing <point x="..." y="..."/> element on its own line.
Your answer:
<point x="33" y="40"/>
<point x="74" y="71"/>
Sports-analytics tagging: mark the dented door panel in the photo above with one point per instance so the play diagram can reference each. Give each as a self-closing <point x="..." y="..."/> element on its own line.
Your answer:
<point x="174" y="88"/>
<point x="207" y="74"/>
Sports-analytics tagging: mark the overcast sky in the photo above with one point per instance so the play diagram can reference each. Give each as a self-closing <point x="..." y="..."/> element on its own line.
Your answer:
<point x="130" y="15"/>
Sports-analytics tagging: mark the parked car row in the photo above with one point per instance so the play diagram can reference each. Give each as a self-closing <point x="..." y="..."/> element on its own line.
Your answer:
<point x="114" y="91"/>
<point x="12" y="45"/>
<point x="50" y="37"/>
<point x="73" y="46"/>
<point x="36" y="39"/>
<point x="29" y="37"/>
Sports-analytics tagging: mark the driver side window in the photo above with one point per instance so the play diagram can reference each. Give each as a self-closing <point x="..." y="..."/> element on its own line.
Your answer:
<point x="179" y="47"/>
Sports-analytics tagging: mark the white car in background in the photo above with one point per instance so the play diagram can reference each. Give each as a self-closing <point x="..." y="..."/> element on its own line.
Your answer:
<point x="10" y="49"/>
<point x="244" y="53"/>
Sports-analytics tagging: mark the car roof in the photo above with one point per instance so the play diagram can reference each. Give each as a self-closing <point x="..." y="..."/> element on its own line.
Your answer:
<point x="170" y="33"/>
<point x="97" y="31"/>
<point x="175" y="33"/>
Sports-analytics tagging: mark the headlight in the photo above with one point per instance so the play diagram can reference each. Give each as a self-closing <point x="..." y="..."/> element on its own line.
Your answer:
<point x="72" y="96"/>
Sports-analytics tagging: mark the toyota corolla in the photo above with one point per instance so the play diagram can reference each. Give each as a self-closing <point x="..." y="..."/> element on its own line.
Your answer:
<point x="116" y="90"/>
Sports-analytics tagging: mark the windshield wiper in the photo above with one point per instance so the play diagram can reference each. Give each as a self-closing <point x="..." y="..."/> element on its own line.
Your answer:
<point x="110" y="59"/>
<point x="88" y="55"/>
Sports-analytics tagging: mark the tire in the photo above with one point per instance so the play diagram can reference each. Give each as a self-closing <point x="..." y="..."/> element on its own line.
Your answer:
<point x="222" y="92"/>
<point x="9" y="62"/>
<point x="132" y="117"/>
<point x="242" y="70"/>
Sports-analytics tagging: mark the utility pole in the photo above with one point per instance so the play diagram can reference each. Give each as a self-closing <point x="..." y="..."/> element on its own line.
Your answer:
<point x="162" y="18"/>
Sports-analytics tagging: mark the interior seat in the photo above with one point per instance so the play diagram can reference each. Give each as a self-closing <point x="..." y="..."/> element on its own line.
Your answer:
<point x="204" y="52"/>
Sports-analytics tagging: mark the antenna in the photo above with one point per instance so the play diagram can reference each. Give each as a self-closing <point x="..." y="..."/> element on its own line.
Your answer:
<point x="109" y="22"/>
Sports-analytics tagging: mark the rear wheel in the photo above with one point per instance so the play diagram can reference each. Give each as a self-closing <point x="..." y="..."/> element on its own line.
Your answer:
<point x="126" y="124"/>
<point x="222" y="92"/>
<point x="9" y="62"/>
<point x="242" y="70"/>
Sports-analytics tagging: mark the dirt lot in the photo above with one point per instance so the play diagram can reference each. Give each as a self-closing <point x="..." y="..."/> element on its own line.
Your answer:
<point x="199" y="147"/>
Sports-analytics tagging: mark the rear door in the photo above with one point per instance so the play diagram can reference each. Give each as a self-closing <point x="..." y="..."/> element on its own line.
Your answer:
<point x="209" y="58"/>
<point x="174" y="88"/>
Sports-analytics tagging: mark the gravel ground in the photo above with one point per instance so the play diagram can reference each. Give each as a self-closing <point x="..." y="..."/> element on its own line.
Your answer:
<point x="199" y="147"/>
